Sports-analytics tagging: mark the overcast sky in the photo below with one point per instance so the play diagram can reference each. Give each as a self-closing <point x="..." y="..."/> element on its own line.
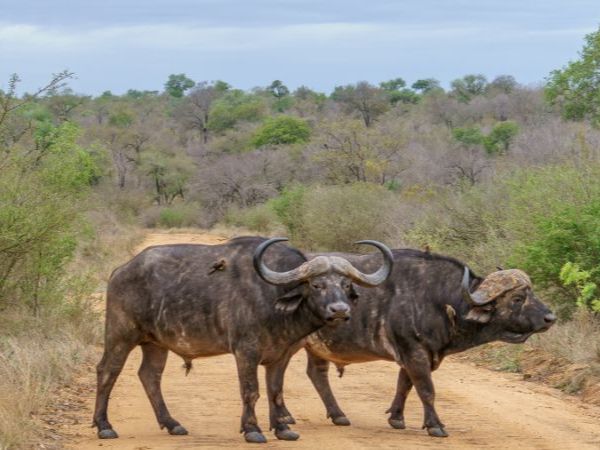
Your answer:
<point x="121" y="44"/>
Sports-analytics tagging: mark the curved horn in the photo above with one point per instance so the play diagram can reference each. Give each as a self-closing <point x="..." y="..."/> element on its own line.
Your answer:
<point x="369" y="279"/>
<point x="465" y="288"/>
<point x="319" y="264"/>
<point x="478" y="298"/>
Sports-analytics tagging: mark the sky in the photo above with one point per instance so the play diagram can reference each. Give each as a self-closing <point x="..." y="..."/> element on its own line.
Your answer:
<point x="118" y="45"/>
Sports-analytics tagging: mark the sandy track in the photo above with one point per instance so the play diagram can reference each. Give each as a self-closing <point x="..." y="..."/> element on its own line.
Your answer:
<point x="481" y="408"/>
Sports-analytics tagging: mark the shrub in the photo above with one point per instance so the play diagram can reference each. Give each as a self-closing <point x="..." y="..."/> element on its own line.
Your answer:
<point x="334" y="217"/>
<point x="537" y="220"/>
<point x="500" y="138"/>
<point x="233" y="107"/>
<point x="289" y="208"/>
<point x="42" y="194"/>
<point x="281" y="130"/>
<point x="261" y="219"/>
<point x="175" y="216"/>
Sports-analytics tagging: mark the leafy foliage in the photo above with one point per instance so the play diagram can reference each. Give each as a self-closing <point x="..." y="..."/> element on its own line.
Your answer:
<point x="576" y="87"/>
<point x="177" y="84"/>
<point x="572" y="275"/>
<point x="469" y="86"/>
<point x="233" y="107"/>
<point x="281" y="130"/>
<point x="40" y="193"/>
<point x="500" y="138"/>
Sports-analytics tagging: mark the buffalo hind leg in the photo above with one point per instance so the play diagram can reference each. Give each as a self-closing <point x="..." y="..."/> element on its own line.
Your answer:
<point x="318" y="371"/>
<point x="279" y="416"/>
<point x="247" y="366"/>
<point x="419" y="370"/>
<point x="396" y="419"/>
<point x="150" y="373"/>
<point x="108" y="370"/>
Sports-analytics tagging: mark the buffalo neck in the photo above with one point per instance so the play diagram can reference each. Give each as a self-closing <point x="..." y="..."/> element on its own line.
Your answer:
<point x="467" y="334"/>
<point x="299" y="323"/>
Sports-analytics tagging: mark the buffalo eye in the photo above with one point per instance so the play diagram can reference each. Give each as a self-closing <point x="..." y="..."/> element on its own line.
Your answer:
<point x="318" y="285"/>
<point x="518" y="299"/>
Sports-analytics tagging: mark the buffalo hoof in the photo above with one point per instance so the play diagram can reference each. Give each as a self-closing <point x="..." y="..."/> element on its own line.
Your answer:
<point x="108" y="433"/>
<point x="341" y="421"/>
<point x="398" y="424"/>
<point x="437" y="432"/>
<point x="289" y="420"/>
<point x="178" y="430"/>
<point x="286" y="435"/>
<point x="255" y="437"/>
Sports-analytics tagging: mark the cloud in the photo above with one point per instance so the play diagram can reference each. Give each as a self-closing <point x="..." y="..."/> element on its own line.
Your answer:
<point x="28" y="38"/>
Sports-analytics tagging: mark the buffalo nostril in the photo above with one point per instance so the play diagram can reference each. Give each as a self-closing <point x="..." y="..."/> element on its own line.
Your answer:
<point x="550" y="318"/>
<point x="338" y="308"/>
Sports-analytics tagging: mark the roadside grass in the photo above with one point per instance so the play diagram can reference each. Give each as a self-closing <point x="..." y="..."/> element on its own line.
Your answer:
<point x="38" y="354"/>
<point x="567" y="357"/>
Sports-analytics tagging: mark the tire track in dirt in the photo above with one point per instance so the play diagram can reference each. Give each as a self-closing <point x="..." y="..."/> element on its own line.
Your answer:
<point x="481" y="408"/>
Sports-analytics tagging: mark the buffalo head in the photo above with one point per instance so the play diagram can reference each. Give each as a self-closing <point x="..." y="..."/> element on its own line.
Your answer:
<point x="505" y="302"/>
<point x="325" y="282"/>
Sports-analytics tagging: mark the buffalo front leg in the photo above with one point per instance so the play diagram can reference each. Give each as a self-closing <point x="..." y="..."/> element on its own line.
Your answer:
<point x="150" y="373"/>
<point x="317" y="370"/>
<point x="247" y="366"/>
<point x="396" y="419"/>
<point x="419" y="371"/>
<point x="279" y="416"/>
<point x="108" y="370"/>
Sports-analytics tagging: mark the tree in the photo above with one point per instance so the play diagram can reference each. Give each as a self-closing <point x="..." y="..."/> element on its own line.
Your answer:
<point x="501" y="136"/>
<point x="469" y="86"/>
<point x="369" y="101"/>
<point x="503" y="83"/>
<point x="352" y="153"/>
<point x="468" y="136"/>
<point x="468" y="163"/>
<point x="392" y="85"/>
<point x="169" y="174"/>
<point x="575" y="88"/>
<point x="177" y="84"/>
<point x="278" y="89"/>
<point x="194" y="111"/>
<point x="281" y="130"/>
<point x="233" y="107"/>
<point x="397" y="93"/>
<point x="426" y="85"/>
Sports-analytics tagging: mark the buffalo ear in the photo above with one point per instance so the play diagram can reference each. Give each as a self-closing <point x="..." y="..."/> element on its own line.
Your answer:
<point x="481" y="314"/>
<point x="290" y="301"/>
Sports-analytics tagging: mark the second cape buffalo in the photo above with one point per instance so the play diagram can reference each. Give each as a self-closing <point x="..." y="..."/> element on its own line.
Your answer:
<point x="430" y="306"/>
<point x="200" y="300"/>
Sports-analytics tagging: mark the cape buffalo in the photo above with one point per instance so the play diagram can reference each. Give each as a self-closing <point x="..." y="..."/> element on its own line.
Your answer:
<point x="200" y="300"/>
<point x="430" y="306"/>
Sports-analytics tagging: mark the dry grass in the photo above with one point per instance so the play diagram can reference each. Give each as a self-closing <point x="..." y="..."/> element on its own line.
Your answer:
<point x="567" y="357"/>
<point x="37" y="355"/>
<point x="577" y="340"/>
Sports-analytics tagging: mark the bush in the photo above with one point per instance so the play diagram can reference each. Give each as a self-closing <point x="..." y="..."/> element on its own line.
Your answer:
<point x="334" y="217"/>
<point x="175" y="216"/>
<point x="233" y="107"/>
<point x="534" y="219"/>
<point x="281" y="130"/>
<point x="42" y="194"/>
<point x="500" y="138"/>
<point x="289" y="208"/>
<point x="261" y="219"/>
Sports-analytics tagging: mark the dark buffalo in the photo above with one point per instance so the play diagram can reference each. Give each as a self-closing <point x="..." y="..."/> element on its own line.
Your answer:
<point x="430" y="306"/>
<point x="199" y="300"/>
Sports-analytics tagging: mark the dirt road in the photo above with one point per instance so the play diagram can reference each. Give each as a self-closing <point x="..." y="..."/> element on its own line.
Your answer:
<point x="481" y="408"/>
